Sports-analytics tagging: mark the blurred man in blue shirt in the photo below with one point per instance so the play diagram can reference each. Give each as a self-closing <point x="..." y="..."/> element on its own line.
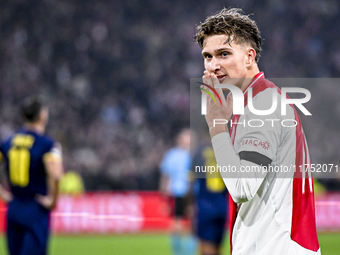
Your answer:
<point x="175" y="169"/>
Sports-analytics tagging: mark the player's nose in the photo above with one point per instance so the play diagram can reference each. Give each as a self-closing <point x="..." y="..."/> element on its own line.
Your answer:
<point x="214" y="65"/>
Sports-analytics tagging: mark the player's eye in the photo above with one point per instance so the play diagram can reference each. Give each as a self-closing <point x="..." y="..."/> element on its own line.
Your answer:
<point x="207" y="56"/>
<point x="224" y="54"/>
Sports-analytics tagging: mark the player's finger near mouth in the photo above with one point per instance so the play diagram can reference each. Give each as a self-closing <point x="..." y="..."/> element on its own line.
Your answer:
<point x="202" y="90"/>
<point x="202" y="87"/>
<point x="215" y="82"/>
<point x="207" y="84"/>
<point x="205" y="80"/>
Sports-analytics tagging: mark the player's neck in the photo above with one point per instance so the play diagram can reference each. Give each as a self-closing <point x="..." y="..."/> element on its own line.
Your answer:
<point x="186" y="148"/>
<point x="249" y="76"/>
<point x="37" y="127"/>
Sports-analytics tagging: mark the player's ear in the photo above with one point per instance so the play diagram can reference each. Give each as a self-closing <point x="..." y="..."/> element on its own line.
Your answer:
<point x="250" y="56"/>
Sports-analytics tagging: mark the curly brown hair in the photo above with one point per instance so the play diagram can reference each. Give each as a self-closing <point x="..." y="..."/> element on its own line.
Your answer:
<point x="233" y="23"/>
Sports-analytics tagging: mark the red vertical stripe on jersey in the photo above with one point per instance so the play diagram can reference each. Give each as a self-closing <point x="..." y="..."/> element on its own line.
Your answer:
<point x="233" y="214"/>
<point x="303" y="218"/>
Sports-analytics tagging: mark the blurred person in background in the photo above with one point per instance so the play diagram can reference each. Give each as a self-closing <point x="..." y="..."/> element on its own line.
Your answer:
<point x="71" y="184"/>
<point x="211" y="200"/>
<point x="175" y="170"/>
<point x="33" y="164"/>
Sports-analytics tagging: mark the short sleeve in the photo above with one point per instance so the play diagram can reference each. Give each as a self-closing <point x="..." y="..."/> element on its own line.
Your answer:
<point x="54" y="154"/>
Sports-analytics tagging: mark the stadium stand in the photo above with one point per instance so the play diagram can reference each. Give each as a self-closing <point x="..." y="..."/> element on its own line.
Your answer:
<point x="117" y="75"/>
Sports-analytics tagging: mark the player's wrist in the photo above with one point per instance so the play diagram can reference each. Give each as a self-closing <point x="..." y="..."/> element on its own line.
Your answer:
<point x="217" y="129"/>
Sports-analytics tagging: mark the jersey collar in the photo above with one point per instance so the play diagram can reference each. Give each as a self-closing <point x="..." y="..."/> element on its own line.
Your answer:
<point x="254" y="81"/>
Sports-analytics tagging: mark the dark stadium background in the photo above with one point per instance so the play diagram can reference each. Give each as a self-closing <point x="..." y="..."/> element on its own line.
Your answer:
<point x="117" y="76"/>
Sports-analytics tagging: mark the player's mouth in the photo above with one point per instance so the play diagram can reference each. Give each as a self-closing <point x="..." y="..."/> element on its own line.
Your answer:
<point x="221" y="78"/>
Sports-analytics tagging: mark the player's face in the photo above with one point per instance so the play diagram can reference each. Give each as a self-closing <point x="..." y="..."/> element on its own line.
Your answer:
<point x="184" y="140"/>
<point x="228" y="61"/>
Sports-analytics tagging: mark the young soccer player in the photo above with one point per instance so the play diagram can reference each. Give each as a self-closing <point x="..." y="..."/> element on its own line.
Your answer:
<point x="33" y="166"/>
<point x="272" y="213"/>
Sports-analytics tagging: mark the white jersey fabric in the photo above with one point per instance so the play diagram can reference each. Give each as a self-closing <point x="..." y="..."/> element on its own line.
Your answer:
<point x="273" y="211"/>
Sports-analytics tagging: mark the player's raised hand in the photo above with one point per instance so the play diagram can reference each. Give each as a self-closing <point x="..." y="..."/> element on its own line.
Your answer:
<point x="220" y="109"/>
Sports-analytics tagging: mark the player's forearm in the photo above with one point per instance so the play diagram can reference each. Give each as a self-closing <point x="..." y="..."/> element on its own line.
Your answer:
<point x="54" y="191"/>
<point x="49" y="201"/>
<point x="242" y="185"/>
<point x="220" y="128"/>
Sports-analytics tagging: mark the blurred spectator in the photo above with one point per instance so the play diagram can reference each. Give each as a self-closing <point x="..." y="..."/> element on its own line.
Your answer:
<point x="71" y="184"/>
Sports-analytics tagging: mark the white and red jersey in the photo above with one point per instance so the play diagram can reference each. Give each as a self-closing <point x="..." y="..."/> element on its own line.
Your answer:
<point x="275" y="212"/>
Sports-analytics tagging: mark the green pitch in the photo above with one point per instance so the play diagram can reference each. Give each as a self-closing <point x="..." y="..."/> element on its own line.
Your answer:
<point x="148" y="244"/>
